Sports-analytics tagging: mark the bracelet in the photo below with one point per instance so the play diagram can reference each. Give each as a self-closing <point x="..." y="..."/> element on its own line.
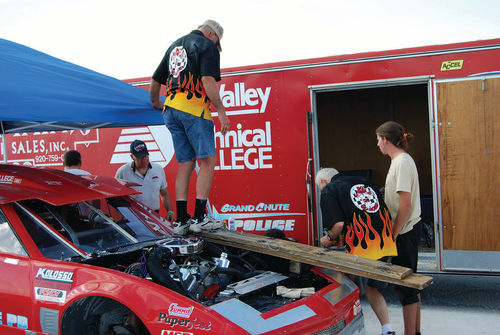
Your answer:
<point x="329" y="237"/>
<point x="171" y="212"/>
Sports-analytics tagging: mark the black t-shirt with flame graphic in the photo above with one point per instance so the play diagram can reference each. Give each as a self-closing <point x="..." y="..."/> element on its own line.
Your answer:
<point x="367" y="222"/>
<point x="185" y="62"/>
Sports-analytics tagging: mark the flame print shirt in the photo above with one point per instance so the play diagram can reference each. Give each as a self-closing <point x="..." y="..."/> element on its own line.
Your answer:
<point x="185" y="62"/>
<point x="367" y="222"/>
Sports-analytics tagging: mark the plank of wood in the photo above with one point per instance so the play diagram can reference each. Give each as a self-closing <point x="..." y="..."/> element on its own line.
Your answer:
<point x="327" y="258"/>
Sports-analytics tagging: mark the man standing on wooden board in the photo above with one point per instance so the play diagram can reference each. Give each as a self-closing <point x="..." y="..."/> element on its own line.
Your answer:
<point x="353" y="206"/>
<point x="190" y="70"/>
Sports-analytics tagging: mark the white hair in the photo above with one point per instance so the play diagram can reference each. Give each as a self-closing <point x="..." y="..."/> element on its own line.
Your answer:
<point x="325" y="174"/>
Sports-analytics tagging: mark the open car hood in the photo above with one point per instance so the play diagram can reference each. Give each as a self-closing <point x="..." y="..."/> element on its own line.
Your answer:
<point x="56" y="187"/>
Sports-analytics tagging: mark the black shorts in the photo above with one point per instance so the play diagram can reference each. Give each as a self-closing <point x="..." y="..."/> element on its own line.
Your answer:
<point x="362" y="282"/>
<point x="407" y="245"/>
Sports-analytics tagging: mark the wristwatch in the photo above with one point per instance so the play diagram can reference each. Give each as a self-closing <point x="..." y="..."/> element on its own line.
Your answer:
<point x="328" y="235"/>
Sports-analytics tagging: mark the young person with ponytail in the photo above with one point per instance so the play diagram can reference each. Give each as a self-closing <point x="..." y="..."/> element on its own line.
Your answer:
<point x="402" y="196"/>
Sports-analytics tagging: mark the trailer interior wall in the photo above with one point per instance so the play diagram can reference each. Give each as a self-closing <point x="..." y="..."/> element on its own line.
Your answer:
<point x="347" y="120"/>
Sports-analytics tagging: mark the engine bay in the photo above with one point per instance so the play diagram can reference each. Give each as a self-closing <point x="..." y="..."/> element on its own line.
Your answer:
<point x="209" y="273"/>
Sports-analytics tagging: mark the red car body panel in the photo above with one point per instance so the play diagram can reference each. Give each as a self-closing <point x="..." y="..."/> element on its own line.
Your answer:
<point x="37" y="291"/>
<point x="56" y="187"/>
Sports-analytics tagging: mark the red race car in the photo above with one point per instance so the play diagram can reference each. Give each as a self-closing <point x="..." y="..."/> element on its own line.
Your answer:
<point x="79" y="256"/>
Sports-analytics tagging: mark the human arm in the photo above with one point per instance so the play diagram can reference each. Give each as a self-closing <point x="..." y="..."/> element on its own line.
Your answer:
<point x="154" y="94"/>
<point x="167" y="203"/>
<point x="212" y="91"/>
<point x="403" y="212"/>
<point x="333" y="232"/>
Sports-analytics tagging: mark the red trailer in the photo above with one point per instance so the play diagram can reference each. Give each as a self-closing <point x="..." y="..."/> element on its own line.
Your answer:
<point x="290" y="118"/>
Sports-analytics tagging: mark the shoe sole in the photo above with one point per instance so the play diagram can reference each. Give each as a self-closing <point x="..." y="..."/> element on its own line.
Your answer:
<point x="194" y="228"/>
<point x="197" y="228"/>
<point x="181" y="230"/>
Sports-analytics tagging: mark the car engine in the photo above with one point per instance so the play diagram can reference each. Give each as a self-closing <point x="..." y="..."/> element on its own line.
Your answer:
<point x="209" y="273"/>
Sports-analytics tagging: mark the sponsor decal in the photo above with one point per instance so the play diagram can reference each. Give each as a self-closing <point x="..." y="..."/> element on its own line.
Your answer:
<point x="189" y="324"/>
<point x="16" y="321"/>
<point x="240" y="100"/>
<point x="183" y="312"/>
<point x="158" y="141"/>
<point x="450" y="65"/>
<point x="1" y="319"/>
<point x="54" y="275"/>
<point x="364" y="198"/>
<point x="11" y="320"/>
<point x="47" y="148"/>
<point x="260" y="207"/>
<point x="22" y="322"/>
<point x="356" y="308"/>
<point x="174" y="332"/>
<point x="245" y="148"/>
<point x="49" y="294"/>
<point x="6" y="179"/>
<point x="257" y="217"/>
<point x="12" y="261"/>
<point x="264" y="225"/>
<point x="53" y="182"/>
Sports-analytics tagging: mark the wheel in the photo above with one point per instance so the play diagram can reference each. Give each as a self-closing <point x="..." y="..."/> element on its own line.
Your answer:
<point x="100" y="316"/>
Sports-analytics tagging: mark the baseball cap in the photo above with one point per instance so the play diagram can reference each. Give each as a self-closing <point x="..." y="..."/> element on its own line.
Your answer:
<point x="138" y="149"/>
<point x="217" y="28"/>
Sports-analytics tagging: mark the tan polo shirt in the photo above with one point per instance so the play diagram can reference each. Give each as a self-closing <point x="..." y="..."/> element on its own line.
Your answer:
<point x="403" y="176"/>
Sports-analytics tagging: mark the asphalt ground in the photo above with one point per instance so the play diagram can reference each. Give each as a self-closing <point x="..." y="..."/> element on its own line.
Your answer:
<point x="453" y="304"/>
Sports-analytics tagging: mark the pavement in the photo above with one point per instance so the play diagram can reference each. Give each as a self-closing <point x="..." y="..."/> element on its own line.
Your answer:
<point x="453" y="304"/>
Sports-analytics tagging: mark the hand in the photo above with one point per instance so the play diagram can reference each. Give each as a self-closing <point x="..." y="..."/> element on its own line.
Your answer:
<point x="325" y="242"/>
<point x="224" y="123"/>
<point x="170" y="216"/>
<point x="157" y="104"/>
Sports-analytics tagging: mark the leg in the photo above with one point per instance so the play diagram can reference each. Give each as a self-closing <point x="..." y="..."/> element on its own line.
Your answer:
<point x="182" y="180"/>
<point x="417" y="325"/>
<point x="378" y="304"/>
<point x="410" y="318"/>
<point x="205" y="176"/>
<point x="407" y="245"/>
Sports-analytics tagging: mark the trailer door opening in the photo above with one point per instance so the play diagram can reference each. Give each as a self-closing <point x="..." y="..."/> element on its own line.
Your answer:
<point x="346" y="123"/>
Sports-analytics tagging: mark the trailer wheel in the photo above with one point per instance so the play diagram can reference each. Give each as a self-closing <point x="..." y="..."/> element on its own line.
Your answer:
<point x="100" y="316"/>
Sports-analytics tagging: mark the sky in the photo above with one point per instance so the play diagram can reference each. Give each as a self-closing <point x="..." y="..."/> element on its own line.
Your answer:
<point x="127" y="39"/>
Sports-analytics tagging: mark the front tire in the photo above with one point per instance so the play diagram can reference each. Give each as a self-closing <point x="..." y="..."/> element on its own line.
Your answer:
<point x="100" y="316"/>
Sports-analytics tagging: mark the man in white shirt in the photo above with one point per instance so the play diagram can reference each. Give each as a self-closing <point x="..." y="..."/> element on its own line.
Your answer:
<point x="150" y="176"/>
<point x="72" y="161"/>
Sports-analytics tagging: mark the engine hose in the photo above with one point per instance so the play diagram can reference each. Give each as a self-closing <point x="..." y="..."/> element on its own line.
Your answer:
<point x="231" y="272"/>
<point x="212" y="249"/>
<point x="156" y="259"/>
<point x="240" y="260"/>
<point x="255" y="257"/>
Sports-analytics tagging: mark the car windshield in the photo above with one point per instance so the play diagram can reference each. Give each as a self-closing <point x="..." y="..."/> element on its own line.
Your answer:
<point x="91" y="226"/>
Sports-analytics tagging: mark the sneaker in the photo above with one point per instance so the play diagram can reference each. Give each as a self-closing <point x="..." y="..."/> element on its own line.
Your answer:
<point x="208" y="223"/>
<point x="181" y="228"/>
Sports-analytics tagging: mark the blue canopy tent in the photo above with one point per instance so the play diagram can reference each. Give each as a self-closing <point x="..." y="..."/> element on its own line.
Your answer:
<point x="39" y="92"/>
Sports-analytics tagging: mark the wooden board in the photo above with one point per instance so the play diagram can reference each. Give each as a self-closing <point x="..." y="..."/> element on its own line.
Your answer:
<point x="326" y="258"/>
<point x="469" y="145"/>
